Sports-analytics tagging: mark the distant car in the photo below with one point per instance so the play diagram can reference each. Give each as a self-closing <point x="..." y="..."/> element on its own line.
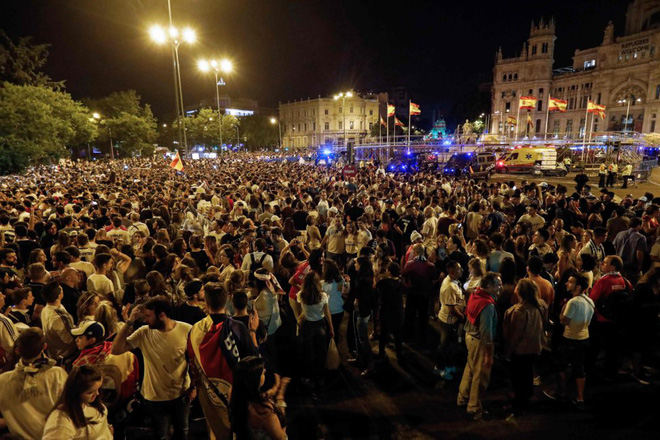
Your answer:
<point x="474" y="165"/>
<point x="559" y="170"/>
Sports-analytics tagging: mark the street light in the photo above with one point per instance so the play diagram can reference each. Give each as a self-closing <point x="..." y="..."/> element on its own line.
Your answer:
<point x="275" y="121"/>
<point x="96" y="117"/>
<point x="175" y="37"/>
<point x="217" y="67"/>
<point x="343" y="96"/>
<point x="627" y="100"/>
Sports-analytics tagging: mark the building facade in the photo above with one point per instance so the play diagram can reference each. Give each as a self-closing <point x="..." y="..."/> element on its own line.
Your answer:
<point x="312" y="123"/>
<point x="623" y="73"/>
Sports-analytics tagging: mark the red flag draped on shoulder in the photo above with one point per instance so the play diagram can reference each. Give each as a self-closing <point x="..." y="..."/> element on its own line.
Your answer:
<point x="598" y="110"/>
<point x="390" y="110"/>
<point x="528" y="102"/>
<point x="557" y="105"/>
<point x="414" y="109"/>
<point x="177" y="163"/>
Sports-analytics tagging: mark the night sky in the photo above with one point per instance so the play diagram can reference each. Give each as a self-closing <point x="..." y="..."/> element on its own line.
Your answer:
<point x="292" y="49"/>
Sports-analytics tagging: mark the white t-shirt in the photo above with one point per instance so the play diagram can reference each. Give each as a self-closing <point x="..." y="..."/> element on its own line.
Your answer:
<point x="314" y="312"/>
<point x="60" y="427"/>
<point x="8" y="335"/>
<point x="25" y="403"/>
<point x="100" y="284"/>
<point x="450" y="295"/>
<point x="165" y="366"/>
<point x="537" y="221"/>
<point x="579" y="310"/>
<point x="83" y="266"/>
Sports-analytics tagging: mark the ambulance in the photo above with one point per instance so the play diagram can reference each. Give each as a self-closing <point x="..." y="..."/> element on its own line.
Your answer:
<point x="528" y="160"/>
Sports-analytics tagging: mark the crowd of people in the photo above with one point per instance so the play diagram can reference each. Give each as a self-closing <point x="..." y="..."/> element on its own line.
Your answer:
<point x="131" y="291"/>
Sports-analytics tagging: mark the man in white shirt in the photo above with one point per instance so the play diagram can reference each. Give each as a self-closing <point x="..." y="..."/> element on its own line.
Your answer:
<point x="452" y="306"/>
<point x="8" y="334"/>
<point x="576" y="317"/>
<point x="533" y="218"/>
<point x="57" y="324"/>
<point x="166" y="387"/>
<point x="99" y="282"/>
<point x="30" y="391"/>
<point x="259" y="256"/>
<point x="137" y="225"/>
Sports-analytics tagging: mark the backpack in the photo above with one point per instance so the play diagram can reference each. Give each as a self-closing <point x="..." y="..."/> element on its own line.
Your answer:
<point x="614" y="305"/>
<point x="257" y="264"/>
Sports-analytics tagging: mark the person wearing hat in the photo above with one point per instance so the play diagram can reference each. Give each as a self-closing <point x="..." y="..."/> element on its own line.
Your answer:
<point x="96" y="350"/>
<point x="191" y="310"/>
<point x="415" y="237"/>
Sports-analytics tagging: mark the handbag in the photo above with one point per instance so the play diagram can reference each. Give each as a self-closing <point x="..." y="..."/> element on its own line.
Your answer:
<point x="332" y="360"/>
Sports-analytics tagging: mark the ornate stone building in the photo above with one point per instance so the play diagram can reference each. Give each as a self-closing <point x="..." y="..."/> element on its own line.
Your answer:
<point x="324" y="121"/>
<point x="623" y="73"/>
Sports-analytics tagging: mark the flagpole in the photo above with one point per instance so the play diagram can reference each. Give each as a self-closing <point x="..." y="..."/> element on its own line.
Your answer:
<point x="409" y="116"/>
<point x="518" y="121"/>
<point x="547" y="118"/>
<point x="586" y="118"/>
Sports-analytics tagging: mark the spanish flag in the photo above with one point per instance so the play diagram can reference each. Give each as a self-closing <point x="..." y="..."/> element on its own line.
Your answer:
<point x="529" y="121"/>
<point x="557" y="105"/>
<point x="414" y="109"/>
<point x="596" y="109"/>
<point x="397" y="122"/>
<point x="382" y="121"/>
<point x="511" y="120"/>
<point x="390" y="110"/>
<point x="177" y="163"/>
<point x="528" y="102"/>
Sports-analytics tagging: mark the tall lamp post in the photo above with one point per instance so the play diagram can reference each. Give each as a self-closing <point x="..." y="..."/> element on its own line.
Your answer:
<point x="343" y="96"/>
<point x="99" y="119"/>
<point x="175" y="37"/>
<point x="627" y="100"/>
<point x="224" y="66"/>
<point x="279" y="126"/>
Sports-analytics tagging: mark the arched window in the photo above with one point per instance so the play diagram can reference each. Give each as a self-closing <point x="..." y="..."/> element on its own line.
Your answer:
<point x="515" y="76"/>
<point x="504" y="77"/>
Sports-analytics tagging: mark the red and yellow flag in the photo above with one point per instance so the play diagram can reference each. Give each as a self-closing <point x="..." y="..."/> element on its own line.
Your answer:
<point x="390" y="110"/>
<point x="414" y="109"/>
<point x="557" y="105"/>
<point x="529" y="121"/>
<point x="382" y="121"/>
<point x="397" y="122"/>
<point x="598" y="110"/>
<point x="177" y="163"/>
<point x="511" y="120"/>
<point x="528" y="102"/>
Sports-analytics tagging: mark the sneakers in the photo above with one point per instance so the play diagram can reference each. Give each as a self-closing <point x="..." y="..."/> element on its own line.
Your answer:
<point x="578" y="404"/>
<point x="641" y="378"/>
<point x="537" y="381"/>
<point x="554" y="396"/>
<point x="445" y="373"/>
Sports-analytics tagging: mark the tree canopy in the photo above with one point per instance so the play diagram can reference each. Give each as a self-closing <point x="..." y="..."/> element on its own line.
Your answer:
<point x="124" y="121"/>
<point x="37" y="124"/>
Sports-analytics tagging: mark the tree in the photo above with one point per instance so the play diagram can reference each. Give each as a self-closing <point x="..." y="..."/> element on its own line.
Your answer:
<point x="203" y="128"/>
<point x="21" y="63"/>
<point x="37" y="124"/>
<point x="259" y="132"/>
<point x="130" y="126"/>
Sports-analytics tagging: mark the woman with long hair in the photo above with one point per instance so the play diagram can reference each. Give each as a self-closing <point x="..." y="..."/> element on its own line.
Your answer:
<point x="523" y="341"/>
<point x="335" y="286"/>
<point x="253" y="416"/>
<point x="87" y="304"/>
<point x="477" y="272"/>
<point x="225" y="263"/>
<point x="313" y="235"/>
<point x="351" y="240"/>
<point x="315" y="325"/>
<point x="79" y="412"/>
<point x="106" y="315"/>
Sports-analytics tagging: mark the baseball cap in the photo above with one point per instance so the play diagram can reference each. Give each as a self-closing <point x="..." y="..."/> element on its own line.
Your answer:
<point x="414" y="236"/>
<point x="643" y="199"/>
<point x="91" y="329"/>
<point x="333" y="210"/>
